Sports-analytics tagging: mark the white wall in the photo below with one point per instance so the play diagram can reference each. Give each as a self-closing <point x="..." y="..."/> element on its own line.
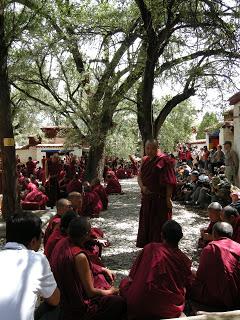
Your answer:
<point x="24" y="154"/>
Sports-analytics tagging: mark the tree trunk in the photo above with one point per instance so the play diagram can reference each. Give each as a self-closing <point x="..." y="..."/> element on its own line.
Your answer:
<point x="95" y="162"/>
<point x="7" y="146"/>
<point x="100" y="130"/>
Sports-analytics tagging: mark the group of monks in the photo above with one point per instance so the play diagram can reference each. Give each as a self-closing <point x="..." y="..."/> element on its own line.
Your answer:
<point x="41" y="187"/>
<point x="161" y="282"/>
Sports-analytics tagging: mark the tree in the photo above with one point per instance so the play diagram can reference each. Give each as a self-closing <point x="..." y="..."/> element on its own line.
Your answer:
<point x="124" y="138"/>
<point x="209" y="120"/>
<point x="85" y="87"/>
<point x="189" y="44"/>
<point x="7" y="146"/>
<point x="177" y="126"/>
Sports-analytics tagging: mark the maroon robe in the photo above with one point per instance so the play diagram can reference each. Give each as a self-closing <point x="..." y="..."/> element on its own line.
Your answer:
<point x="121" y="173"/>
<point x="74" y="303"/>
<point x="102" y="194"/>
<point x="113" y="186"/>
<point x="74" y="185"/>
<point x="55" y="220"/>
<point x="92" y="204"/>
<point x="53" y="239"/>
<point x="34" y="200"/>
<point x="217" y="282"/>
<point x="158" y="290"/>
<point x="31" y="165"/>
<point x="156" y="174"/>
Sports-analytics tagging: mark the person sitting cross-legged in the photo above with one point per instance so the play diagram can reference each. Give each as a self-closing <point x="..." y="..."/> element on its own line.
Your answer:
<point x="92" y="204"/>
<point x="97" y="187"/>
<point x="25" y="273"/>
<point x="231" y="215"/>
<point x="217" y="283"/>
<point x="62" y="206"/>
<point x="59" y="232"/>
<point x="113" y="184"/>
<point x="158" y="279"/>
<point x="214" y="213"/>
<point x="81" y="296"/>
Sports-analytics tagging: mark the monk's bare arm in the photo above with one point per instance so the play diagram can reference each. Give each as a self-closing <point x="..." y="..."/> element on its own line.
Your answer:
<point x="169" y="192"/>
<point x="139" y="179"/>
<point x="86" y="278"/>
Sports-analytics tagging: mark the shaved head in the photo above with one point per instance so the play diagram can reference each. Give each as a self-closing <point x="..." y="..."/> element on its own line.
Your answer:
<point x="152" y="142"/>
<point x="63" y="205"/>
<point x="151" y="148"/>
<point x="222" y="229"/>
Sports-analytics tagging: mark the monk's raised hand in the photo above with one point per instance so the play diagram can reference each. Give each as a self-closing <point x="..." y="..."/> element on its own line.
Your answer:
<point x="103" y="242"/>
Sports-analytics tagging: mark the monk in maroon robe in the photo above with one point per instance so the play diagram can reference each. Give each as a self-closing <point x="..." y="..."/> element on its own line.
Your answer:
<point x="113" y="185"/>
<point x="62" y="205"/>
<point x="53" y="169"/>
<point x="214" y="213"/>
<point x="121" y="173"/>
<point x="217" y="283"/>
<point x="92" y="204"/>
<point x="31" y="165"/>
<point x="157" y="181"/>
<point x="35" y="200"/>
<point x="158" y="279"/>
<point x="231" y="215"/>
<point x="59" y="232"/>
<point x="97" y="187"/>
<point x="83" y="297"/>
<point x="74" y="185"/>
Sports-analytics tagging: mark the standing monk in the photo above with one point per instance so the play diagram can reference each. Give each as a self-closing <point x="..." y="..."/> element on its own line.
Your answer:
<point x="157" y="180"/>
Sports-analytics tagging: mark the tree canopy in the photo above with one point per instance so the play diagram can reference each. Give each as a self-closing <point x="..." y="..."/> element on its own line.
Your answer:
<point x="209" y="120"/>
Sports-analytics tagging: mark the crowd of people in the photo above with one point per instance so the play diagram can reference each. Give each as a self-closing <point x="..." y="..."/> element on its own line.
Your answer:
<point x="207" y="176"/>
<point x="41" y="186"/>
<point x="71" y="276"/>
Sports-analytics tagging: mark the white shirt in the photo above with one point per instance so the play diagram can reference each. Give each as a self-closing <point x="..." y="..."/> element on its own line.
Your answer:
<point x="24" y="275"/>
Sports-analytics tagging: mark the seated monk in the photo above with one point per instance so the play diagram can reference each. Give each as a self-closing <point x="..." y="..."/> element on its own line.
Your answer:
<point x="231" y="215"/>
<point x="59" y="232"/>
<point x="92" y="204"/>
<point x="158" y="279"/>
<point x="76" y="201"/>
<point x="97" y="187"/>
<point x="74" y="185"/>
<point x="121" y="173"/>
<point x="62" y="205"/>
<point x="82" y="297"/>
<point x="217" y="283"/>
<point x="113" y="185"/>
<point x="35" y="200"/>
<point x="214" y="212"/>
<point x="96" y="242"/>
<point x="63" y="186"/>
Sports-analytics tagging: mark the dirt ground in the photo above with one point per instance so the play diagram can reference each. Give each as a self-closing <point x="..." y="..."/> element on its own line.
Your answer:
<point x="120" y="225"/>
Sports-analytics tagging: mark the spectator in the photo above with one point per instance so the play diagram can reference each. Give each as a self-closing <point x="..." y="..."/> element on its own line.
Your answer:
<point x="25" y="273"/>
<point x="231" y="163"/>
